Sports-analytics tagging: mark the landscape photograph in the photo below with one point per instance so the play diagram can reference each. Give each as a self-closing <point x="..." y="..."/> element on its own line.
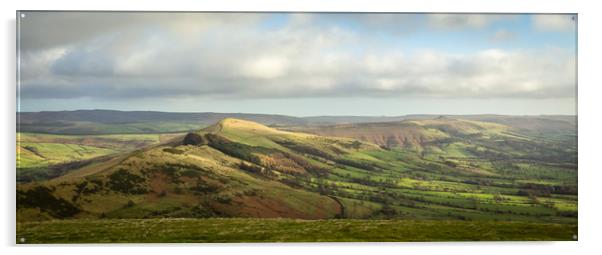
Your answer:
<point x="237" y="127"/>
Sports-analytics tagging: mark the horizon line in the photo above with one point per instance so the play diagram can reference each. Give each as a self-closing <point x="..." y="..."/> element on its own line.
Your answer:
<point x="308" y="116"/>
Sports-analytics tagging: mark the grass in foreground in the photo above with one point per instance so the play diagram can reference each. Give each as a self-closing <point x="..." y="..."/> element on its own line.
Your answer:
<point x="285" y="230"/>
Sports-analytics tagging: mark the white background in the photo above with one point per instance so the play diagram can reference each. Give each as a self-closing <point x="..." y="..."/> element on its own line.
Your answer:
<point x="590" y="184"/>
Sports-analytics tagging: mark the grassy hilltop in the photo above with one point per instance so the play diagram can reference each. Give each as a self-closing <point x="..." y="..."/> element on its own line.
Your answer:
<point x="460" y="172"/>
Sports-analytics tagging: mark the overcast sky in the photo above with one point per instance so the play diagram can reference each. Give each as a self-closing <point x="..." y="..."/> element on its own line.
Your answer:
<point x="299" y="64"/>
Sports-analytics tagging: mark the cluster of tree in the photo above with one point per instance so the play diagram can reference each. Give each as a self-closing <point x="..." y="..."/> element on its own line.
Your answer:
<point x="42" y="197"/>
<point x="432" y="166"/>
<point x="541" y="190"/>
<point x="125" y="182"/>
<point x="87" y="187"/>
<point x="374" y="183"/>
<point x="202" y="187"/>
<point x="292" y="182"/>
<point x="176" y="170"/>
<point x="357" y="164"/>
<point x="326" y="188"/>
<point x="387" y="212"/>
<point x="194" y="139"/>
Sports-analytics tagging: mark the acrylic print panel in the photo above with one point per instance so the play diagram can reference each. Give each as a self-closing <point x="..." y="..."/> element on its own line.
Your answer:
<point x="160" y="127"/>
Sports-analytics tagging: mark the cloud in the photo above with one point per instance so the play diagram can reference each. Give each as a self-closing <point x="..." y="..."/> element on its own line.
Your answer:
<point x="503" y="35"/>
<point x="554" y="22"/>
<point x="216" y="56"/>
<point x="461" y="21"/>
<point x="266" y="67"/>
<point x="51" y="29"/>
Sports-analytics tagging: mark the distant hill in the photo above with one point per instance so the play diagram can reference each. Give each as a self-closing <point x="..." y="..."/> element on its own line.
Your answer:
<point x="130" y="122"/>
<point x="111" y="116"/>
<point x="417" y="133"/>
<point x="123" y="122"/>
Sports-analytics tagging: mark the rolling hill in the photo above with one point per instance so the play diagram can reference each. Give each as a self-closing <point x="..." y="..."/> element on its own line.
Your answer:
<point x="441" y="168"/>
<point x="96" y="122"/>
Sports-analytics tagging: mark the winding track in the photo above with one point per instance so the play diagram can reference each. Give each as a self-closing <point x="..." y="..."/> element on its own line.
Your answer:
<point x="341" y="214"/>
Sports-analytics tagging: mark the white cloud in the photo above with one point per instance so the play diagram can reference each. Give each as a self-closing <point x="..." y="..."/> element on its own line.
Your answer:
<point x="554" y="22"/>
<point x="266" y="67"/>
<point x="221" y="57"/>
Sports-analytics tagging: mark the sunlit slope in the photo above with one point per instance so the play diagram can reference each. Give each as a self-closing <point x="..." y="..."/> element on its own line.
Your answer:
<point x="255" y="134"/>
<point x="43" y="156"/>
<point x="411" y="133"/>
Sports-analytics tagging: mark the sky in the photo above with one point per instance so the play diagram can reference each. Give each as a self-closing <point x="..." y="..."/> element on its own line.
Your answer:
<point x="299" y="64"/>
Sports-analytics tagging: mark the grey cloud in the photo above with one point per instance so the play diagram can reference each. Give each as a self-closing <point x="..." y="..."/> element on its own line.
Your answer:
<point x="42" y="30"/>
<point x="503" y="35"/>
<point x="554" y="22"/>
<point x="460" y="21"/>
<point x="84" y="63"/>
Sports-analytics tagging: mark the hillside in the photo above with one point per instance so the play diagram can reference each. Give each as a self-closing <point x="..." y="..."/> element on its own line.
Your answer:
<point x="215" y="177"/>
<point x="43" y="156"/>
<point x="461" y="169"/>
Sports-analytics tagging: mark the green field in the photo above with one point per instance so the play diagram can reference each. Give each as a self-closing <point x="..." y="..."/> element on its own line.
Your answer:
<point x="34" y="154"/>
<point x="285" y="230"/>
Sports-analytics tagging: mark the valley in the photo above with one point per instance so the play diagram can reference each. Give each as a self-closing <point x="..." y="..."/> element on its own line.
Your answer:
<point x="468" y="171"/>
